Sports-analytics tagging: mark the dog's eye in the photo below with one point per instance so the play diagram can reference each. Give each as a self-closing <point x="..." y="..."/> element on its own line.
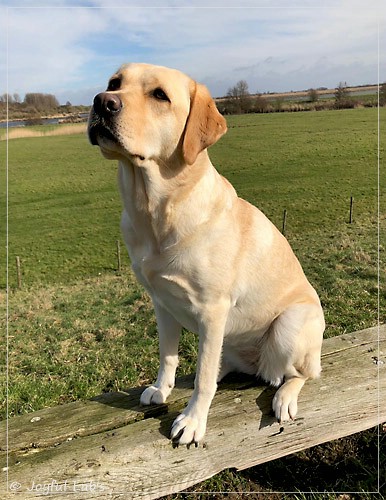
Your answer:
<point x="114" y="84"/>
<point x="160" y="95"/>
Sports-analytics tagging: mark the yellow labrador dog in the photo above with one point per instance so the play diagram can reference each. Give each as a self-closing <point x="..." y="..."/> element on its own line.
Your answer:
<point x="210" y="261"/>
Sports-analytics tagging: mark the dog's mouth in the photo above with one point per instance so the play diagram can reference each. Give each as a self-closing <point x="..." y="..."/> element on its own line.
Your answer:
<point x="103" y="135"/>
<point x="99" y="131"/>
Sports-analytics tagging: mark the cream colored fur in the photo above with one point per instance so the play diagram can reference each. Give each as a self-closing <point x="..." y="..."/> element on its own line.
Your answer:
<point x="210" y="261"/>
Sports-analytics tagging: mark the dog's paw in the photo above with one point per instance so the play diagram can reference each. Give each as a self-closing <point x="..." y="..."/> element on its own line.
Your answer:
<point x="285" y="404"/>
<point x="153" y="396"/>
<point x="187" y="429"/>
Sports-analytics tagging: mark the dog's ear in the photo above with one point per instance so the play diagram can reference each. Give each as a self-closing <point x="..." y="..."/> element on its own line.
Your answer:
<point x="204" y="126"/>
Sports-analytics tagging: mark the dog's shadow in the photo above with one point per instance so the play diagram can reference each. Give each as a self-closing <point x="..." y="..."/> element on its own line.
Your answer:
<point x="264" y="404"/>
<point x="128" y="399"/>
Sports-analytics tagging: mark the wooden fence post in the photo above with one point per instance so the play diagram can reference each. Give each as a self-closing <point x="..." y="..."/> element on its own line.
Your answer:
<point x="284" y="222"/>
<point x="119" y="255"/>
<point x="18" y="269"/>
<point x="351" y="209"/>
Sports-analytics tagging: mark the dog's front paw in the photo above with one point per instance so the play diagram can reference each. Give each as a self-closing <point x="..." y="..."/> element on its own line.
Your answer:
<point x="153" y="396"/>
<point x="187" y="429"/>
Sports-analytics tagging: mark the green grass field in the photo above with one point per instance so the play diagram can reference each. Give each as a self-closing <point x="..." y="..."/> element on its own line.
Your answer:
<point x="64" y="207"/>
<point x="77" y="328"/>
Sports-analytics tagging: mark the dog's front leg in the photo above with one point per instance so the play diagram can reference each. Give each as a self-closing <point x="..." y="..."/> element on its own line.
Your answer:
<point x="190" y="426"/>
<point x="169" y="331"/>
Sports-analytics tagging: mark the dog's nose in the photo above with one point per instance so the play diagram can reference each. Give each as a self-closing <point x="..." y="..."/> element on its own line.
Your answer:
<point x="107" y="104"/>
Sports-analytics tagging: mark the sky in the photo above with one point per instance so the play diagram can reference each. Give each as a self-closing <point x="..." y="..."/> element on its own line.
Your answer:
<point x="70" y="48"/>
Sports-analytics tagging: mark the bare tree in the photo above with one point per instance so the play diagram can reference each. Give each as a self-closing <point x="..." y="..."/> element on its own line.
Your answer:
<point x="313" y="95"/>
<point x="239" y="90"/>
<point x="239" y="97"/>
<point x="260" y="103"/>
<point x="41" y="102"/>
<point x="6" y="98"/>
<point x="342" y="97"/>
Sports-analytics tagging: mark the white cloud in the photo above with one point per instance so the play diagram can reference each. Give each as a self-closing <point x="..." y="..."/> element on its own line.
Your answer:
<point x="44" y="46"/>
<point x="71" y="51"/>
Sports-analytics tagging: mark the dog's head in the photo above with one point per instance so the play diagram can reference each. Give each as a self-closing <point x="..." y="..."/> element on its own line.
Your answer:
<point x="154" y="113"/>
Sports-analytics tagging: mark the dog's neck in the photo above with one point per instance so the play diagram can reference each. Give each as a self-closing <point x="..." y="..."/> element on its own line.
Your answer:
<point x="159" y="200"/>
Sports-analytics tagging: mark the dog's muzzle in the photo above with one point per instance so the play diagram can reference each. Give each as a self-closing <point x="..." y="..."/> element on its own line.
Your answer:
<point x="106" y="107"/>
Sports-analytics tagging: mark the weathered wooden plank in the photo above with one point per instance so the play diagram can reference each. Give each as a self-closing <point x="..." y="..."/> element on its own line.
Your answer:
<point x="138" y="461"/>
<point x="81" y="418"/>
<point x="113" y="410"/>
<point x="349" y="340"/>
<point x="105" y="412"/>
<point x="40" y="429"/>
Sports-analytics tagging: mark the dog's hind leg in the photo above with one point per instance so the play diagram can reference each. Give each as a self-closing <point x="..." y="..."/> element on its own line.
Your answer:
<point x="285" y="401"/>
<point x="225" y="367"/>
<point x="291" y="353"/>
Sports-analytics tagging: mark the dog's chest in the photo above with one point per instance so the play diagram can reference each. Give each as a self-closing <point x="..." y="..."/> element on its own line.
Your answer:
<point x="168" y="273"/>
<point x="154" y="272"/>
<point x="173" y="289"/>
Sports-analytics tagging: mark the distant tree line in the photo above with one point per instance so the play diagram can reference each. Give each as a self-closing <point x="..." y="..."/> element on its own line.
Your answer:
<point x="36" y="100"/>
<point x="34" y="106"/>
<point x="239" y="100"/>
<point x="31" y="109"/>
<point x="41" y="102"/>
